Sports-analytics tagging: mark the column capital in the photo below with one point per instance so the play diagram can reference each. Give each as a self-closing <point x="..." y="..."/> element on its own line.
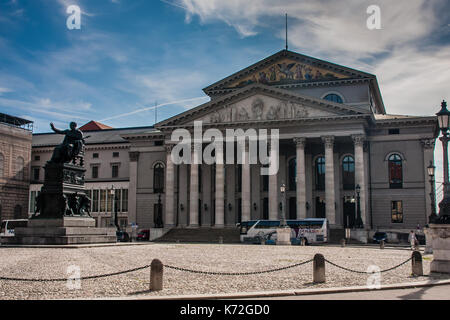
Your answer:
<point x="134" y="156"/>
<point x="328" y="141"/>
<point x="300" y="142"/>
<point x="358" y="139"/>
<point x="428" y="143"/>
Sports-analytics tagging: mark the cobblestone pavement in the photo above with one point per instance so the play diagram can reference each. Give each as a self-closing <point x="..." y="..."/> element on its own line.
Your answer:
<point x="53" y="263"/>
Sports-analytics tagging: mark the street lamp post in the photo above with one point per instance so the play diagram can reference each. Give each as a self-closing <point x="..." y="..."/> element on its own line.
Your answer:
<point x="443" y="119"/>
<point x="359" y="223"/>
<point x="283" y="214"/>
<point x="431" y="169"/>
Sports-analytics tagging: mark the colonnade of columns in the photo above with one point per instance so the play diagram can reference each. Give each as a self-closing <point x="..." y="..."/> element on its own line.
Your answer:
<point x="330" y="196"/>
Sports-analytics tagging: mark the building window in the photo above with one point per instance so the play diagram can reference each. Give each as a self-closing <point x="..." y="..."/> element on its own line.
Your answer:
<point x="95" y="155"/>
<point x="334" y="98"/>
<point x="265" y="180"/>
<point x="348" y="173"/>
<point x="115" y="170"/>
<point x="320" y="173"/>
<point x="36" y="172"/>
<point x="95" y="198"/>
<point x="159" y="143"/>
<point x="115" y="154"/>
<point x="2" y="164"/>
<point x="397" y="211"/>
<point x="102" y="200"/>
<point x="124" y="200"/>
<point x="292" y="174"/>
<point x="395" y="171"/>
<point x="158" y="178"/>
<point x="239" y="178"/>
<point x="20" y="163"/>
<point x="394" y="131"/>
<point x="94" y="172"/>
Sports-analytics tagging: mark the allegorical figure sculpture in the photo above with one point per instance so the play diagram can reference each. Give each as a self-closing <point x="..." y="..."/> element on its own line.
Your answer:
<point x="71" y="146"/>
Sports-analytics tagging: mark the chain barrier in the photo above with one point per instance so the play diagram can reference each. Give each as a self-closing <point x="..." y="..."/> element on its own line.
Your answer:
<point x="365" y="272"/>
<point x="81" y="278"/>
<point x="200" y="272"/>
<point x="238" y="273"/>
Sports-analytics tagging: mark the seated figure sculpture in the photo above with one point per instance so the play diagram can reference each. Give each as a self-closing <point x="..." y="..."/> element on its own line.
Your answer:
<point x="71" y="146"/>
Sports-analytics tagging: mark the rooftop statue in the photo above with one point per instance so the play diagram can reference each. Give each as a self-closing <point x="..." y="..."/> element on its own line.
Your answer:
<point x="71" y="147"/>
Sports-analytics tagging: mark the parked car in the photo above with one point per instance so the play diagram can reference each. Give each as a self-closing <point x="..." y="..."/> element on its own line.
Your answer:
<point x="122" y="236"/>
<point x="143" y="235"/>
<point x="380" y="236"/>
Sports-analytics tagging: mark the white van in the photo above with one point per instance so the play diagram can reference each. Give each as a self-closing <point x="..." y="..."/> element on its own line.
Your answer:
<point x="8" y="226"/>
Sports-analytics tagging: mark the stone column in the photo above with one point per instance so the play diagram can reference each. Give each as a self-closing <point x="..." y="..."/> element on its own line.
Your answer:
<point x="169" y="217"/>
<point x="194" y="194"/>
<point x="428" y="155"/>
<point x="273" y="191"/>
<point x="220" y="187"/>
<point x="330" y="198"/>
<point x="301" y="178"/>
<point x="360" y="174"/>
<point x="246" y="199"/>
<point x="132" y="188"/>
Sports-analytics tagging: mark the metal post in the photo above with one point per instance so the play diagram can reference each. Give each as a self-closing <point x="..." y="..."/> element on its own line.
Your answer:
<point x="359" y="223"/>
<point x="444" y="205"/>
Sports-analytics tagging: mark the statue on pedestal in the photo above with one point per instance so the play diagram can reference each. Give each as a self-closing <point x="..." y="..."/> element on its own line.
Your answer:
<point x="71" y="147"/>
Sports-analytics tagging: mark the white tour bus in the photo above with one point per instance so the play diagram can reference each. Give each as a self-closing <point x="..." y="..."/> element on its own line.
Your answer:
<point x="8" y="226"/>
<point x="313" y="230"/>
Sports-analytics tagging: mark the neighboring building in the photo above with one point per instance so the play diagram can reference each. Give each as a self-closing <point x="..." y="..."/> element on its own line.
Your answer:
<point x="15" y="151"/>
<point x="334" y="135"/>
<point x="107" y="169"/>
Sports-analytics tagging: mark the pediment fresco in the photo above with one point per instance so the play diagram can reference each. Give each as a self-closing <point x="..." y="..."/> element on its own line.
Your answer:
<point x="261" y="107"/>
<point x="287" y="71"/>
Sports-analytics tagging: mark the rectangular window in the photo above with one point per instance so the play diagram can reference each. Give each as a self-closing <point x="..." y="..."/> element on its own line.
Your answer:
<point x="36" y="174"/>
<point x="124" y="200"/>
<point x="394" y="131"/>
<point x="37" y="158"/>
<point x="95" y="200"/>
<point x="102" y="200"/>
<point x="94" y="172"/>
<point x="115" y="154"/>
<point x="115" y="170"/>
<point x="32" y="205"/>
<point x="397" y="211"/>
<point x="109" y="202"/>
<point x="95" y="155"/>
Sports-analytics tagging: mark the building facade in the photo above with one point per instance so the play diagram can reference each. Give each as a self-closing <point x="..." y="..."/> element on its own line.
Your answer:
<point x="15" y="151"/>
<point x="334" y="135"/>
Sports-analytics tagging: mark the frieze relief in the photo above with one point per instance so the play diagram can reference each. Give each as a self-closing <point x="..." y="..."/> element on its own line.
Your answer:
<point x="259" y="109"/>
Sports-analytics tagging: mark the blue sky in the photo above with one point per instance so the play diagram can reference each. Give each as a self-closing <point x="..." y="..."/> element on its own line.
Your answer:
<point x="130" y="54"/>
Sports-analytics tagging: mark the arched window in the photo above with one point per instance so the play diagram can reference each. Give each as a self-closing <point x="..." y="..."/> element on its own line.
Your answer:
<point x="348" y="173"/>
<point x="18" y="212"/>
<point x="2" y="163"/>
<point x="320" y="173"/>
<point x="292" y="173"/>
<point x="334" y="98"/>
<point x="158" y="178"/>
<point x="395" y="171"/>
<point x="19" y="166"/>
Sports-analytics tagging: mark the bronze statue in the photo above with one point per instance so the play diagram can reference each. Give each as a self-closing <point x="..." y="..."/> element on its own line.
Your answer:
<point x="71" y="147"/>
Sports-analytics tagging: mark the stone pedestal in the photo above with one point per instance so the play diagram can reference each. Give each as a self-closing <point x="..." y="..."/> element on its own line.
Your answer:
<point x="428" y="241"/>
<point x="66" y="230"/>
<point x="441" y="248"/>
<point x="284" y="236"/>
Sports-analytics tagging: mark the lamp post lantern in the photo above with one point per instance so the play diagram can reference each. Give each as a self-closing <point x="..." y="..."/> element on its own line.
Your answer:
<point x="431" y="171"/>
<point x="283" y="213"/>
<point x="359" y="223"/>
<point x="443" y="120"/>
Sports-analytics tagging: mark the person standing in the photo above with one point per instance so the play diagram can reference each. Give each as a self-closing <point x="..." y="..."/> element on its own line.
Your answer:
<point x="412" y="239"/>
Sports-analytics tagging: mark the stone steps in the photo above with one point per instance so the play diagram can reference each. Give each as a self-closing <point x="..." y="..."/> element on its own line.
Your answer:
<point x="202" y="235"/>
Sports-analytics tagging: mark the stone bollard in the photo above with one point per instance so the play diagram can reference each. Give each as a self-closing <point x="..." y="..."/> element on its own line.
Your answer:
<point x="221" y="240"/>
<point x="382" y="244"/>
<point x="263" y="241"/>
<point x="417" y="266"/>
<point x="342" y="243"/>
<point x="303" y="242"/>
<point x="319" y="268"/>
<point x="156" y="275"/>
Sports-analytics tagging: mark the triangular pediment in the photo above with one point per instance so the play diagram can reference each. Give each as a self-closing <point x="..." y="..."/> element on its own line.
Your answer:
<point x="261" y="103"/>
<point x="286" y="67"/>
